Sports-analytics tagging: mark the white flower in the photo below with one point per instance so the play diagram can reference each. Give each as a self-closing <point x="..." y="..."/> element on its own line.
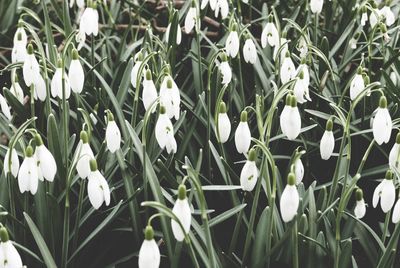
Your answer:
<point x="243" y="135"/>
<point x="316" y="6"/>
<point x="28" y="177"/>
<point x="213" y="4"/>
<point x="182" y="211"/>
<point x="232" y="43"/>
<point x="249" y="173"/>
<point x="360" y="209"/>
<point x="135" y="78"/>
<point x="98" y="189"/>
<point x="298" y="170"/>
<point x="287" y="70"/>
<point x="289" y="202"/>
<point x="353" y="43"/>
<point x="394" y="155"/>
<point x="178" y="34"/>
<point x="80" y="38"/>
<point x="388" y="14"/>
<point x="16" y="90"/>
<point x="164" y="131"/>
<point x="56" y="83"/>
<point x="226" y="71"/>
<point x="223" y="124"/>
<point x="89" y="23"/>
<point x="149" y="94"/>
<point x="170" y="97"/>
<point x="327" y="142"/>
<point x="302" y="47"/>
<point x="374" y="17"/>
<point x="76" y="73"/>
<point x="5" y="109"/>
<point x="249" y="51"/>
<point x="270" y="34"/>
<point x="18" y="53"/>
<point x="9" y="256"/>
<point x="393" y="77"/>
<point x="11" y="162"/>
<point x="40" y="89"/>
<point x="396" y="212"/>
<point x="357" y="84"/>
<point x="190" y="19"/>
<point x="301" y="90"/>
<point x="382" y="124"/>
<point x="113" y="134"/>
<point x="386" y="192"/>
<point x="45" y="160"/>
<point x="20" y="36"/>
<point x="149" y="254"/>
<point x="364" y="18"/>
<point x="30" y="68"/>
<point x="290" y="120"/>
<point x="84" y="154"/>
<point x="222" y="6"/>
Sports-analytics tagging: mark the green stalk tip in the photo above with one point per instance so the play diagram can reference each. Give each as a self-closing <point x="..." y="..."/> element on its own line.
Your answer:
<point x="243" y="116"/>
<point x="291" y="180"/>
<point x="182" y="192"/>
<point x="149" y="233"/>
<point x="93" y="165"/>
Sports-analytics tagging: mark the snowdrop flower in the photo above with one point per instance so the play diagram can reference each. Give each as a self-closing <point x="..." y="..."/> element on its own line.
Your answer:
<point x="287" y="70"/>
<point x="283" y="47"/>
<point x="170" y="97"/>
<point x="223" y="124"/>
<point x="327" y="141"/>
<point x="302" y="47"/>
<point x="301" y="87"/>
<point x="79" y="3"/>
<point x="289" y="202"/>
<point x="89" y="22"/>
<point x="225" y="70"/>
<point x="386" y="192"/>
<point x="16" y="90"/>
<point x="149" y="254"/>
<point x="20" y="35"/>
<point x="18" y="53"/>
<point x="9" y="256"/>
<point x="394" y="155"/>
<point x="396" y="212"/>
<point x="149" y="94"/>
<point x="98" y="189"/>
<point x="57" y="81"/>
<point x="164" y="131"/>
<point x="359" y="210"/>
<point x="270" y="34"/>
<point x="243" y="135"/>
<point x="11" y="162"/>
<point x="249" y="173"/>
<point x="30" y="69"/>
<point x="113" y="135"/>
<point x="40" y="89"/>
<point x="232" y="42"/>
<point x="80" y="38"/>
<point x="357" y="84"/>
<point x="298" y="170"/>
<point x="5" y="109"/>
<point x="182" y="211"/>
<point x="290" y="120"/>
<point x="316" y="6"/>
<point x="387" y="13"/>
<point x="135" y="78"/>
<point x="384" y="32"/>
<point x="84" y="154"/>
<point x="222" y="7"/>
<point x="28" y="177"/>
<point x="190" y="19"/>
<point x="45" y="160"/>
<point x="213" y="4"/>
<point x="353" y="41"/>
<point x="178" y="34"/>
<point x="364" y="16"/>
<point x="374" y="17"/>
<point x="249" y="51"/>
<point x="382" y="124"/>
<point x="76" y="72"/>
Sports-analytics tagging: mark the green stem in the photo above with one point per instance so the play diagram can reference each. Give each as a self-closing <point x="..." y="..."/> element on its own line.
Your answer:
<point x="295" y="246"/>
<point x="385" y="227"/>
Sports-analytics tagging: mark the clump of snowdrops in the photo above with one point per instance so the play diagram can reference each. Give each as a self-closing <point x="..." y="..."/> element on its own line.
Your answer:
<point x="208" y="133"/>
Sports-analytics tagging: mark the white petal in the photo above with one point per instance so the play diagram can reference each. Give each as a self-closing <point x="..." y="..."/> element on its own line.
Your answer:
<point x="40" y="88"/>
<point x="291" y="122"/>
<point x="182" y="212"/>
<point x="316" y="6"/>
<point x="226" y="72"/>
<point x="85" y="155"/>
<point x="289" y="203"/>
<point x="11" y="255"/>
<point x="47" y="163"/>
<point x="394" y="157"/>
<point x="135" y="74"/>
<point x="356" y="86"/>
<point x="232" y="44"/>
<point x="149" y="94"/>
<point x="30" y="69"/>
<point x="28" y="176"/>
<point x="242" y="138"/>
<point x="5" y="109"/>
<point x="224" y="127"/>
<point x="388" y="195"/>
<point x="149" y="254"/>
<point x="287" y="71"/>
<point x="248" y="176"/>
<point x="12" y="162"/>
<point x="163" y="128"/>
<point x="327" y="145"/>
<point x="78" y="76"/>
<point x="396" y="212"/>
<point x="360" y="209"/>
<point x="377" y="195"/>
<point x="98" y="189"/>
<point x="190" y="19"/>
<point x="113" y="136"/>
<point x="250" y="51"/>
<point x="382" y="126"/>
<point x="299" y="170"/>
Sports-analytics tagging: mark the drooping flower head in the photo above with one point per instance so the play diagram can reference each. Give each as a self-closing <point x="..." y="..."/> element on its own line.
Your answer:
<point x="76" y="73"/>
<point x="9" y="256"/>
<point x="270" y="33"/>
<point x="135" y="76"/>
<point x="386" y="192"/>
<point x="28" y="176"/>
<point x="60" y="76"/>
<point x="382" y="124"/>
<point x="182" y="211"/>
<point x="190" y="19"/>
<point x="84" y="154"/>
<point x="316" y="6"/>
<point x="113" y="134"/>
<point x="45" y="160"/>
<point x="164" y="132"/>
<point x="288" y="70"/>
<point x="30" y="69"/>
<point x="290" y="120"/>
<point x="223" y="124"/>
<point x="243" y="135"/>
<point x="249" y="173"/>
<point x="232" y="42"/>
<point x="225" y="69"/>
<point x="360" y="209"/>
<point x="249" y="51"/>
<point x="98" y="189"/>
<point x="327" y="141"/>
<point x="149" y="253"/>
<point x="289" y="202"/>
<point x="149" y="94"/>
